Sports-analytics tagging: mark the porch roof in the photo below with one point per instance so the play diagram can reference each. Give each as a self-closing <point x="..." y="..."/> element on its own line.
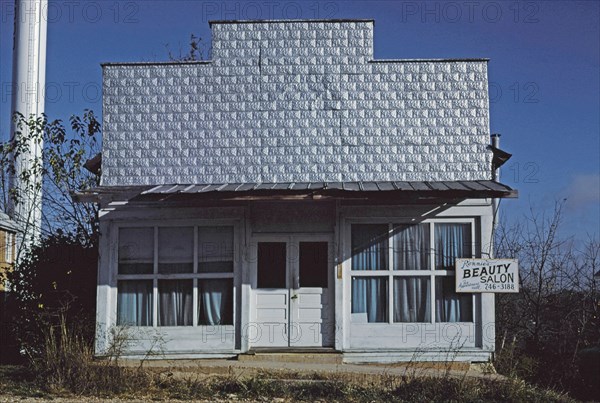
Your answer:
<point x="304" y="190"/>
<point x="7" y="224"/>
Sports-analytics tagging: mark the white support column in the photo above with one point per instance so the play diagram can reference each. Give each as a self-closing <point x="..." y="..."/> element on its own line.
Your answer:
<point x="106" y="289"/>
<point x="487" y="329"/>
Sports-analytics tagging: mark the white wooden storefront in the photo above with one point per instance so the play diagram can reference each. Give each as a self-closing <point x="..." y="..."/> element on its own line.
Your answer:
<point x="289" y="311"/>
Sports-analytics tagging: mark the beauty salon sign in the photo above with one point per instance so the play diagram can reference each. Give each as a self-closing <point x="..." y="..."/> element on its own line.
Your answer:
<point x="487" y="275"/>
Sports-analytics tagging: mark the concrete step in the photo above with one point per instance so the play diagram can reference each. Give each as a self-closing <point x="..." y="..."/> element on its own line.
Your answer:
<point x="303" y="357"/>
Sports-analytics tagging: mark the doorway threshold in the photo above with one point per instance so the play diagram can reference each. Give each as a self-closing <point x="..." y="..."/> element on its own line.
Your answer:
<point x="317" y="355"/>
<point x="291" y="350"/>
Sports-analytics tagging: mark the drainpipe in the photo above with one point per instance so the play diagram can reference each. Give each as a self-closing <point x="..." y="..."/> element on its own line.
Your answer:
<point x="495" y="201"/>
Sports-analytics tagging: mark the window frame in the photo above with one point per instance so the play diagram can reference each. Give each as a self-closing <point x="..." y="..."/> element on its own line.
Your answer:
<point x="431" y="274"/>
<point x="9" y="241"/>
<point x="195" y="275"/>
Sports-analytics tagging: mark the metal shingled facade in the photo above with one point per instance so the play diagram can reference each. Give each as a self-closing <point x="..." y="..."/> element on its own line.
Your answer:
<point x="295" y="102"/>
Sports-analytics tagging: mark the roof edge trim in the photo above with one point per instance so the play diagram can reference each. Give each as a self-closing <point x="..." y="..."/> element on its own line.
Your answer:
<point x="168" y="62"/>
<point x="311" y="20"/>
<point x="373" y="61"/>
<point x="428" y="60"/>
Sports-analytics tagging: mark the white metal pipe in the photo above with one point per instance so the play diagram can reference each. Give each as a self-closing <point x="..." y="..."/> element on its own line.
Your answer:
<point x="29" y="80"/>
<point x="496" y="144"/>
<point x="495" y="201"/>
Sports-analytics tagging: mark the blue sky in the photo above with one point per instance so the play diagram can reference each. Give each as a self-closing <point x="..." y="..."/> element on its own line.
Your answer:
<point x="544" y="71"/>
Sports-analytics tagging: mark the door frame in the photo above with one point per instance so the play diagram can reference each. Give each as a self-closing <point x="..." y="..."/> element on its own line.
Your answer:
<point x="292" y="270"/>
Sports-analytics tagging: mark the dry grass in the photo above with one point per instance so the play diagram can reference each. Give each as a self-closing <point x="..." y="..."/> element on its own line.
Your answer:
<point x="142" y="383"/>
<point x="65" y="367"/>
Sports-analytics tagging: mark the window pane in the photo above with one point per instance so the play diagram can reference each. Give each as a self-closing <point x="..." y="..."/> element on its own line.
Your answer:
<point x="215" y="302"/>
<point x="176" y="250"/>
<point x="412" y="301"/>
<point x="9" y="247"/>
<point x="134" y="303"/>
<point x="411" y="247"/>
<point x="449" y="305"/>
<point x="271" y="265"/>
<point x="451" y="241"/>
<point x="369" y="299"/>
<point x="136" y="250"/>
<point x="175" y="303"/>
<point x="215" y="249"/>
<point x="369" y="246"/>
<point x="313" y="264"/>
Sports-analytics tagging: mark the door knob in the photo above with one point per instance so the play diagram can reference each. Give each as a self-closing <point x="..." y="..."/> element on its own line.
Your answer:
<point x="295" y="296"/>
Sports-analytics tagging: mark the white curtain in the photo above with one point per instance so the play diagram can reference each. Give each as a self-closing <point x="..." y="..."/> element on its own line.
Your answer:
<point x="175" y="303"/>
<point x="412" y="299"/>
<point x="451" y="241"/>
<point x="411" y="247"/>
<point x="369" y="295"/>
<point x="215" y="302"/>
<point x="450" y="306"/>
<point x="369" y="247"/>
<point x="370" y="252"/>
<point x="134" y="303"/>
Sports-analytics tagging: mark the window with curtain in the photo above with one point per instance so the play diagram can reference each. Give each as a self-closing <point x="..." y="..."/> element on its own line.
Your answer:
<point x="370" y="247"/>
<point x="175" y="276"/>
<point x="175" y="302"/>
<point x="369" y="298"/>
<point x="9" y="247"/>
<point x="215" y="302"/>
<point x="452" y="241"/>
<point x="134" y="303"/>
<point x="449" y="305"/>
<point x="369" y="254"/>
<point x="404" y="273"/>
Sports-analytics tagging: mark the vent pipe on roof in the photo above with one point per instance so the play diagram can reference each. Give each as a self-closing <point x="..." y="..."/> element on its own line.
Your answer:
<point x="496" y="145"/>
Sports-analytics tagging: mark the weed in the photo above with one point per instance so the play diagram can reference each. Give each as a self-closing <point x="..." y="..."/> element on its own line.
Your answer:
<point x="65" y="365"/>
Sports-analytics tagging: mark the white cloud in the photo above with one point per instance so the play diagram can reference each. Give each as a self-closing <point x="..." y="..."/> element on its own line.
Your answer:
<point x="583" y="191"/>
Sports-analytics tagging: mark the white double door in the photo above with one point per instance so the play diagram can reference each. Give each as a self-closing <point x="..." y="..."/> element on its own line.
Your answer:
<point x="292" y="292"/>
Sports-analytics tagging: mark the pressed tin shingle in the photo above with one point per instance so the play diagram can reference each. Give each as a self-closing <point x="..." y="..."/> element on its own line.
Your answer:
<point x="295" y="102"/>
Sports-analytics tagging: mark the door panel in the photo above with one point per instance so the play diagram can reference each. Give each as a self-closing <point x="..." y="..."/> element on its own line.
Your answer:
<point x="271" y="296"/>
<point x="293" y="302"/>
<point x="309" y="302"/>
<point x="272" y="306"/>
<point x="271" y="265"/>
<point x="313" y="263"/>
<point x="272" y="318"/>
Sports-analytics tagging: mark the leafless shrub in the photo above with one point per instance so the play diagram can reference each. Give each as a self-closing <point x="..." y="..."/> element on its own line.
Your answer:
<point x="542" y="329"/>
